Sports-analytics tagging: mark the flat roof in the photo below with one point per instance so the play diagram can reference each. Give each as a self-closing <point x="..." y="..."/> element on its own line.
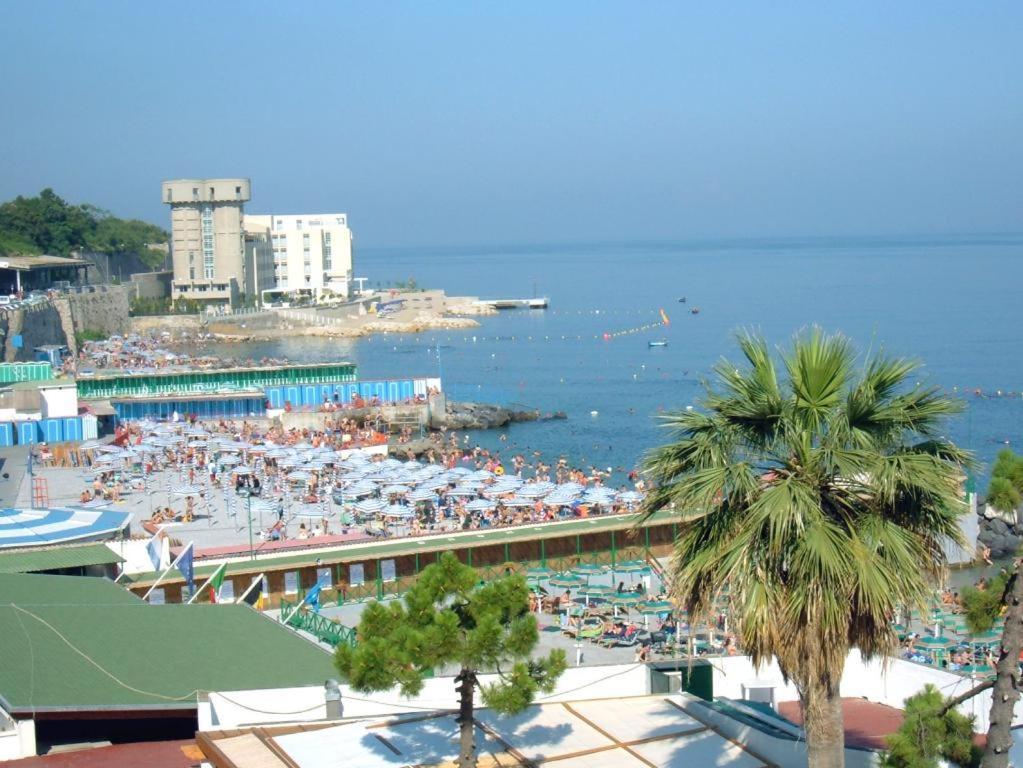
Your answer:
<point x="597" y="733"/>
<point x="441" y="542"/>
<point x="54" y="558"/>
<point x="105" y="374"/>
<point x="26" y="263"/>
<point x="94" y="651"/>
<point x="28" y="527"/>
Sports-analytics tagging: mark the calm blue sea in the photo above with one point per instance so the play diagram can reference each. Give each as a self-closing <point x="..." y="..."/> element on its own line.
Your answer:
<point x="950" y="301"/>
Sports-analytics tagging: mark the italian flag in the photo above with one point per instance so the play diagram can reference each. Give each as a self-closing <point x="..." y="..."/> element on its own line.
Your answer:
<point x="215" y="581"/>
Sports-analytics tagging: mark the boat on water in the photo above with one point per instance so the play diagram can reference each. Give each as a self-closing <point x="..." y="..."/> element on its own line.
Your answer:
<point x="694" y="311"/>
<point x="661" y="343"/>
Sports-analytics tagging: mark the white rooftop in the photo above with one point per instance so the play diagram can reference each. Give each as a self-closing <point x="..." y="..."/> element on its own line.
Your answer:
<point x="639" y="731"/>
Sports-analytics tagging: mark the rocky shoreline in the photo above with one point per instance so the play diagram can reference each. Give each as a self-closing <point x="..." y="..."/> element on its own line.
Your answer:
<point x="485" y="416"/>
<point x="235" y="334"/>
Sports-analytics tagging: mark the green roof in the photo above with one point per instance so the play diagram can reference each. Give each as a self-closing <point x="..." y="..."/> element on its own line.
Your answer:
<point x="128" y="655"/>
<point x="55" y="558"/>
<point x="43" y="589"/>
<point x="387" y="548"/>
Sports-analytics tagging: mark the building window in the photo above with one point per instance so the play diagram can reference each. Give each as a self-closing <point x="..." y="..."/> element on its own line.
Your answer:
<point x="206" y="219"/>
<point x="237" y="190"/>
<point x="305" y="239"/>
<point x="326" y="237"/>
<point x="298" y="223"/>
<point x="195" y="193"/>
<point x="170" y="195"/>
<point x="191" y="273"/>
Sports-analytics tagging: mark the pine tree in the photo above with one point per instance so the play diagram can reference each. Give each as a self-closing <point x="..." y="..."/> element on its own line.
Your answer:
<point x="446" y="618"/>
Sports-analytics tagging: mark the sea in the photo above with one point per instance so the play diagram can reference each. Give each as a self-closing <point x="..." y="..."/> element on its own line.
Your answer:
<point x="950" y="302"/>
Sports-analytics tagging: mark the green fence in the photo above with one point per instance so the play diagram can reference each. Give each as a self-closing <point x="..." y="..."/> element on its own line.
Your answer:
<point x="326" y="630"/>
<point x="12" y="372"/>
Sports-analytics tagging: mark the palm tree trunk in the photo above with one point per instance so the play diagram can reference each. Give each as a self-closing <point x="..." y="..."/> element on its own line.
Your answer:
<point x="1006" y="689"/>
<point x="466" y="687"/>
<point x="822" y="721"/>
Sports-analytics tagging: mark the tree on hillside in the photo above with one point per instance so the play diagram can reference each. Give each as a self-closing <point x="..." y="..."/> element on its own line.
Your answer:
<point x="446" y="618"/>
<point x="822" y="497"/>
<point x="49" y="224"/>
<point x="127" y="236"/>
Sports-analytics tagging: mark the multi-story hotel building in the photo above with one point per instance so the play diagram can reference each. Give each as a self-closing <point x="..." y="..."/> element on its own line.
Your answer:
<point x="311" y="251"/>
<point x="215" y="259"/>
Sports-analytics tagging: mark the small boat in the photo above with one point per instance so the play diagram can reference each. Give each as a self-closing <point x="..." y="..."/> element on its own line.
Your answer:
<point x="682" y="300"/>
<point x="694" y="311"/>
<point x="661" y="343"/>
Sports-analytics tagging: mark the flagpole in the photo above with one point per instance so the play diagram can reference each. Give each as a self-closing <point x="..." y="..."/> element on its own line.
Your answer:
<point x="206" y="583"/>
<point x="170" y="568"/>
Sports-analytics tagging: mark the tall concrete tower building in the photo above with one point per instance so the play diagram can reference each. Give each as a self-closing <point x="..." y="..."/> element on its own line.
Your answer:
<point x="214" y="260"/>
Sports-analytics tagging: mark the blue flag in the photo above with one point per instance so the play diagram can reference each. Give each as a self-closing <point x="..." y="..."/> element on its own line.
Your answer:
<point x="185" y="564"/>
<point x="312" y="597"/>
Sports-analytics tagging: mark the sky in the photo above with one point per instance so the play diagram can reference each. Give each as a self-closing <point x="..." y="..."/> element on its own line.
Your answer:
<point x="435" y="124"/>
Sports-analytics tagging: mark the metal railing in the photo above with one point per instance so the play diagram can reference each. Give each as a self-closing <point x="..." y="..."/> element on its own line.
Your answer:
<point x="334" y="633"/>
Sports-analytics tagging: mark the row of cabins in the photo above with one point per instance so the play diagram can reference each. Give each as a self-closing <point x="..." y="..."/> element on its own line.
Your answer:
<point x="376" y="569"/>
<point x="35" y="407"/>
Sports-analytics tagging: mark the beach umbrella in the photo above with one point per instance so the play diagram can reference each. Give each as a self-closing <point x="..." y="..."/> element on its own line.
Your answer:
<point x="537" y="573"/>
<point x="371" y="506"/>
<point x="595" y="590"/>
<point x="657" y="606"/>
<point x="389" y="490"/>
<point x="516" y="501"/>
<point x="535" y="490"/>
<point x="934" y="643"/>
<point x="588" y="569"/>
<point x="186" y="490"/>
<point x="479" y="505"/>
<point x="977" y="670"/>
<point x="422" y="494"/>
<point x="397" y="510"/>
<point x="360" y="489"/>
<point x="632" y="566"/>
<point x="566" y="580"/>
<point x="990" y="637"/>
<point x="627" y="599"/>
<point x="228" y="461"/>
<point x="299" y="476"/>
<point x="462" y="490"/>
<point x="630" y="497"/>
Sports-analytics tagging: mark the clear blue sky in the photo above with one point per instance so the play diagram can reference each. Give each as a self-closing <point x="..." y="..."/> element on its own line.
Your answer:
<point x="474" y="123"/>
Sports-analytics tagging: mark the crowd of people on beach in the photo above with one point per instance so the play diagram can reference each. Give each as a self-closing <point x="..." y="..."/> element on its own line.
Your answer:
<point x="149" y="352"/>
<point x="204" y="458"/>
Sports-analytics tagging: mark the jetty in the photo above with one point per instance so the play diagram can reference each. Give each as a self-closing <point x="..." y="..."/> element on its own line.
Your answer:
<point x="534" y="303"/>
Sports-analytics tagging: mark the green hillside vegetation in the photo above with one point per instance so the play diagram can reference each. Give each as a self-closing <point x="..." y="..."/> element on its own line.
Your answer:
<point x="49" y="224"/>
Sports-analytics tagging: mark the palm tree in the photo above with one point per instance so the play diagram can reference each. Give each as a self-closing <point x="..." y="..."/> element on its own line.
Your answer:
<point x="822" y="498"/>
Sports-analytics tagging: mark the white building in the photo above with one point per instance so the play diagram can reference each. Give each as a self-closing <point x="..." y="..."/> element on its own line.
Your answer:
<point x="310" y="251"/>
